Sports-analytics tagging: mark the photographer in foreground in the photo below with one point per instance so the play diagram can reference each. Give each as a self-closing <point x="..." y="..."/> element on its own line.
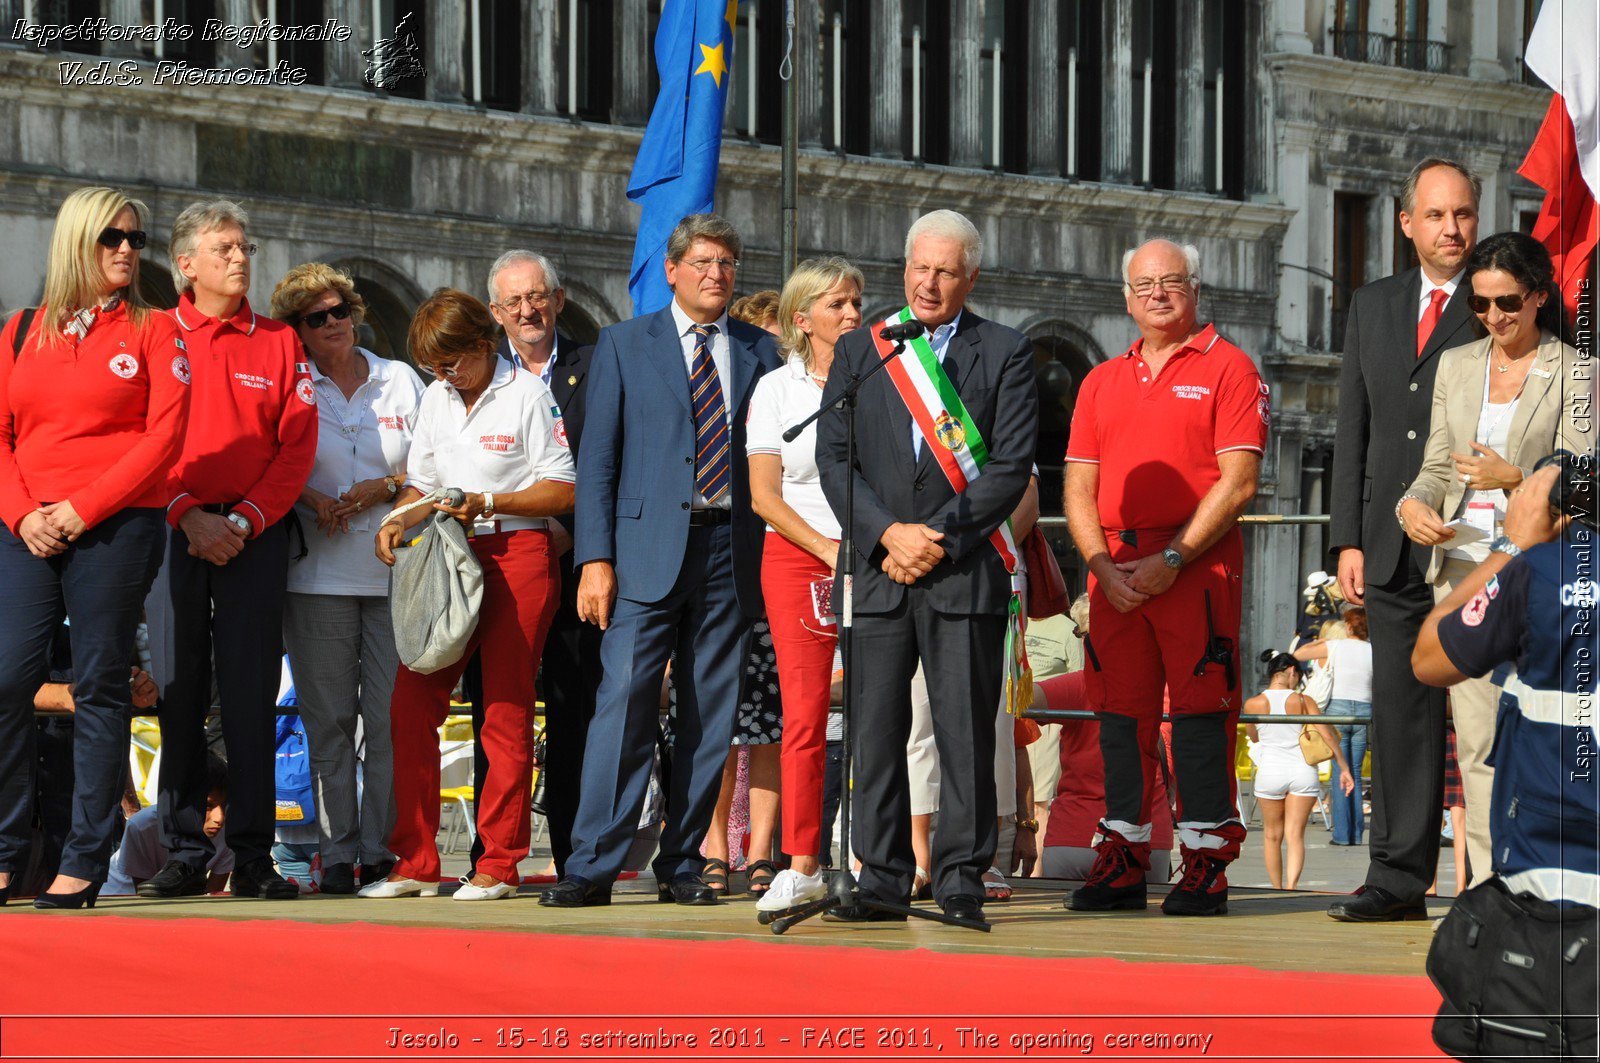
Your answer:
<point x="1530" y="604"/>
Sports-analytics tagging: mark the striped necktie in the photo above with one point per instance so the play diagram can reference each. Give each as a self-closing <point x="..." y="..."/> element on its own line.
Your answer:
<point x="712" y="473"/>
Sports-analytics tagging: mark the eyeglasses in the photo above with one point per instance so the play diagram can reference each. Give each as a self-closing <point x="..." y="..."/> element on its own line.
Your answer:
<point x="226" y="251"/>
<point x="705" y="265"/>
<point x="111" y="237"/>
<point x="1145" y="287"/>
<point x="450" y="370"/>
<point x="1508" y="304"/>
<point x="535" y="301"/>
<point x="317" y="318"/>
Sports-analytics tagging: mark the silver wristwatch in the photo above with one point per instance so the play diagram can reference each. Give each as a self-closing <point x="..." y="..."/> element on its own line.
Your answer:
<point x="1502" y="545"/>
<point x="240" y="521"/>
<point x="1172" y="559"/>
<point x="1403" y="500"/>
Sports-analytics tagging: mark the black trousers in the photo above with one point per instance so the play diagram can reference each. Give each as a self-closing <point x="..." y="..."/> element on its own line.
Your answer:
<point x="233" y="615"/>
<point x="1406" y="739"/>
<point x="569" y="675"/>
<point x="962" y="658"/>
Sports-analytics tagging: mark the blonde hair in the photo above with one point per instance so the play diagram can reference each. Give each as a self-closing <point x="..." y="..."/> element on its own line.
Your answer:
<point x="1078" y="612"/>
<point x="72" y="278"/>
<point x="810" y="281"/>
<point x="1333" y="629"/>
<point x="756" y="309"/>
<point x="305" y="284"/>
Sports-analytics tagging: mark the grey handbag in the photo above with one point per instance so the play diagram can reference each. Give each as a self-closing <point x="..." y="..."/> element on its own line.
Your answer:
<point x="435" y="589"/>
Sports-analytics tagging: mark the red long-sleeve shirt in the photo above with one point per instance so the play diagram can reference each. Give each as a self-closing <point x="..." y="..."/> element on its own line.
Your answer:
<point x="253" y="424"/>
<point x="96" y="422"/>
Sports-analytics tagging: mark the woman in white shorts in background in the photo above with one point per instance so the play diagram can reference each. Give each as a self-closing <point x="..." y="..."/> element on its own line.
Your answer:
<point x="1286" y="787"/>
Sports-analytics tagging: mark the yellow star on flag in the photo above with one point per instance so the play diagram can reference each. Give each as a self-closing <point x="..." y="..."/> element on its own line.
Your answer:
<point x="715" y="63"/>
<point x="733" y="14"/>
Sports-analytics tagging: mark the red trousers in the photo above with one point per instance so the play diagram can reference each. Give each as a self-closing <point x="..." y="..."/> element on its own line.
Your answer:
<point x="521" y="589"/>
<point x="805" y="677"/>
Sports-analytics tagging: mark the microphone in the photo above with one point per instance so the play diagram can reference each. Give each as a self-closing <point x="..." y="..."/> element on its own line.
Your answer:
<point x="906" y="330"/>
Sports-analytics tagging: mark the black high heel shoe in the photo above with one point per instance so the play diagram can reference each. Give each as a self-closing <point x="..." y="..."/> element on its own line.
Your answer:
<point x="83" y="898"/>
<point x="5" y="894"/>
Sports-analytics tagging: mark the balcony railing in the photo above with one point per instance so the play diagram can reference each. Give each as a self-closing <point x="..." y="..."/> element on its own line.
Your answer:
<point x="1413" y="53"/>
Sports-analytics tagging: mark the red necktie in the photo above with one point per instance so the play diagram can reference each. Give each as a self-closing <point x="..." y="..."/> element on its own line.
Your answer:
<point x="1430" y="317"/>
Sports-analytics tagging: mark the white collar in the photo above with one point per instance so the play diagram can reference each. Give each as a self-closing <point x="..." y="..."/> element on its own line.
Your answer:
<point x="1448" y="287"/>
<point x="684" y="323"/>
<point x="360" y="352"/>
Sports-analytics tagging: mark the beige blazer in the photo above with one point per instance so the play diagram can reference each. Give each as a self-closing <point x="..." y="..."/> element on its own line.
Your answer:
<point x="1554" y="403"/>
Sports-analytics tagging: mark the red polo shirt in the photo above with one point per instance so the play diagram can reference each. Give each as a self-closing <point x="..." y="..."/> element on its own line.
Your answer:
<point x="1156" y="437"/>
<point x="253" y="424"/>
<point x="95" y="421"/>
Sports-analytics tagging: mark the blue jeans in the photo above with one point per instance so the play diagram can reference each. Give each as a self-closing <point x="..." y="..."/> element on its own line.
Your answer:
<point x="1348" y="822"/>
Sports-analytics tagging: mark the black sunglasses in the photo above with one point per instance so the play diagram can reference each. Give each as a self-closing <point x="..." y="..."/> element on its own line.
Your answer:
<point x="112" y="238"/>
<point x="1508" y="304"/>
<point x="318" y="318"/>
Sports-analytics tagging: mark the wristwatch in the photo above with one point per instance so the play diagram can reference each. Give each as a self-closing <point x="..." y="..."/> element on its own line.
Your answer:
<point x="1031" y="825"/>
<point x="488" y="503"/>
<point x="1172" y="558"/>
<point x="1502" y="545"/>
<point x="1397" y="506"/>
<point x="392" y="484"/>
<point x="242" y="522"/>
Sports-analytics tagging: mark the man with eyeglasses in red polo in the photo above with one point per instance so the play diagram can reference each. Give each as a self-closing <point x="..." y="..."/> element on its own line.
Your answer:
<point x="1164" y="455"/>
<point x="218" y="601"/>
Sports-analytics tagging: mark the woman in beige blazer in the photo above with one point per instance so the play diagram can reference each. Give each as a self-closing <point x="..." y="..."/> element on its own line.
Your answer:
<point x="1500" y="405"/>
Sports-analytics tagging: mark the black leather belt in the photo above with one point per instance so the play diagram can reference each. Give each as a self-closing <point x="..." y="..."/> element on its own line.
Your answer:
<point x="221" y="509"/>
<point x="701" y="518"/>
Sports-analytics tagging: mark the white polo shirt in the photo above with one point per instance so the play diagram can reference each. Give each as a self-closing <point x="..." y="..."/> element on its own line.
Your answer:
<point x="782" y="399"/>
<point x="513" y="438"/>
<point x="364" y="437"/>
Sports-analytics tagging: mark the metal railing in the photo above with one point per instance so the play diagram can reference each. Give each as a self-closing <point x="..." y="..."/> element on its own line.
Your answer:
<point x="1063" y="715"/>
<point x="1359" y="46"/>
<point x="1248" y="519"/>
<point x="1417" y="53"/>
<point x="1412" y="53"/>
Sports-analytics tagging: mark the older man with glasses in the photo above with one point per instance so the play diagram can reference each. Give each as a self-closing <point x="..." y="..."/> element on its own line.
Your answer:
<point x="1164" y="455"/>
<point x="218" y="601"/>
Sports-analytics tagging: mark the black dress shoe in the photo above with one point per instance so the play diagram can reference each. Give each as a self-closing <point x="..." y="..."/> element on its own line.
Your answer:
<point x="83" y="898"/>
<point x="686" y="889"/>
<point x="576" y="893"/>
<point x="1374" y="904"/>
<point x="377" y="872"/>
<point x="965" y="907"/>
<point x="339" y="879"/>
<point x="860" y="913"/>
<point x="175" y="879"/>
<point x="261" y="880"/>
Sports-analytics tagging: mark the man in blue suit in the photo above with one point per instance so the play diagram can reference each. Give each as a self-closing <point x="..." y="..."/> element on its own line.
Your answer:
<point x="669" y="549"/>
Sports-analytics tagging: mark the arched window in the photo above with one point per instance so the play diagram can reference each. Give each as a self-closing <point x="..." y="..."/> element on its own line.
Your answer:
<point x="155" y="284"/>
<point x="1062" y="357"/>
<point x="390" y="299"/>
<point x="578" y="324"/>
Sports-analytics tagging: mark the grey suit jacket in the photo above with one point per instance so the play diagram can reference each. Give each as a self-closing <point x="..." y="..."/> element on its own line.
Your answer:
<point x="991" y="367"/>
<point x="1547" y="418"/>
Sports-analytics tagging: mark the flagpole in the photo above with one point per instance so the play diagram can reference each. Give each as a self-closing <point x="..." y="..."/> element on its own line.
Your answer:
<point x="791" y="138"/>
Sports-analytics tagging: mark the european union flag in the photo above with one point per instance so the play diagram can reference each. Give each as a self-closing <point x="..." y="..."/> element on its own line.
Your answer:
<point x="676" y="171"/>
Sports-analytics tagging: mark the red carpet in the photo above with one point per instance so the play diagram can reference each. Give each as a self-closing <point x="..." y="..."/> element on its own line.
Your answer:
<point x="110" y="987"/>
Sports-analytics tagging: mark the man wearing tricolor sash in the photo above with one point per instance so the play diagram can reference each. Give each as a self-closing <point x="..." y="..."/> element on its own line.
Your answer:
<point x="945" y="446"/>
<point x="1164" y="455"/>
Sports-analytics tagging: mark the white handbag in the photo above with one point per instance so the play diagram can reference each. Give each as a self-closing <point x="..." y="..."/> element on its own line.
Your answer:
<point x="1318" y="686"/>
<point x="435" y="589"/>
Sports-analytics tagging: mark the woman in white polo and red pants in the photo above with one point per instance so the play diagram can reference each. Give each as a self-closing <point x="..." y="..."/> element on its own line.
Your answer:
<point x="495" y="432"/>
<point x="820" y="303"/>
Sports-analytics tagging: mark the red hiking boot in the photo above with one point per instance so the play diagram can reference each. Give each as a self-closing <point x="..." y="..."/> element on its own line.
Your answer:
<point x="1203" y="889"/>
<point x="1116" y="882"/>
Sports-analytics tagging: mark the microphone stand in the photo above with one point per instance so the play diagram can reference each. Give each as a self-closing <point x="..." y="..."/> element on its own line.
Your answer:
<point x="843" y="889"/>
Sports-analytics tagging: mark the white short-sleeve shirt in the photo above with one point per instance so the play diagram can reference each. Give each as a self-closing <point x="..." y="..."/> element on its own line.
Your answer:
<point x="783" y="398"/>
<point x="364" y="437"/>
<point x="513" y="438"/>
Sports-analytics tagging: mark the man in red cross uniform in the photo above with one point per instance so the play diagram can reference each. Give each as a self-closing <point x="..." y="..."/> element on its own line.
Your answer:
<point x="1164" y="454"/>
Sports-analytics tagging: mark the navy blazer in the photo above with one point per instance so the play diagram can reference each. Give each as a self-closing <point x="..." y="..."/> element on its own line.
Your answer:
<point x="568" y="384"/>
<point x="636" y="468"/>
<point x="991" y="367"/>
<point x="1385" y="409"/>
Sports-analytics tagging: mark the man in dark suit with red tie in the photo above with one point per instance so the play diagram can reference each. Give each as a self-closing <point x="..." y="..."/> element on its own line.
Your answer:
<point x="1396" y="329"/>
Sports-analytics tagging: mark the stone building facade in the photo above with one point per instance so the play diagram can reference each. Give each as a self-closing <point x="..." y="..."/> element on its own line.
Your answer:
<point x="1273" y="134"/>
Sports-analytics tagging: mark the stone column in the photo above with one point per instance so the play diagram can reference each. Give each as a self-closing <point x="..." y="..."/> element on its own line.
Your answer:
<point x="1192" y="147"/>
<point x="238" y="13"/>
<point x="808" y="68"/>
<point x="887" y="110"/>
<point x="541" y="77"/>
<point x="1116" y="87"/>
<point x="1256" y="156"/>
<point x="447" y="28"/>
<point x="630" y="64"/>
<point x="118" y="12"/>
<point x="1484" y="63"/>
<point x="1044" y="88"/>
<point x="344" y="62"/>
<point x="966" y="83"/>
<point x="1289" y="28"/>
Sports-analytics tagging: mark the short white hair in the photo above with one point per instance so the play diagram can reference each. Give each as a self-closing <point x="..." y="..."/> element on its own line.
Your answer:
<point x="197" y="218"/>
<point x="1191" y="259"/>
<point x="551" y="278"/>
<point x="952" y="226"/>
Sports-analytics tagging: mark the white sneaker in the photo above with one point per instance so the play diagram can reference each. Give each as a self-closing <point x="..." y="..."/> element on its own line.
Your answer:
<point x="469" y="892"/>
<point x="791" y="889"/>
<point x="400" y="887"/>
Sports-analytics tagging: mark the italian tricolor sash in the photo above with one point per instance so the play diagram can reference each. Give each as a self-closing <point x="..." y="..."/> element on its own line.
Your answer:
<point x="959" y="448"/>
